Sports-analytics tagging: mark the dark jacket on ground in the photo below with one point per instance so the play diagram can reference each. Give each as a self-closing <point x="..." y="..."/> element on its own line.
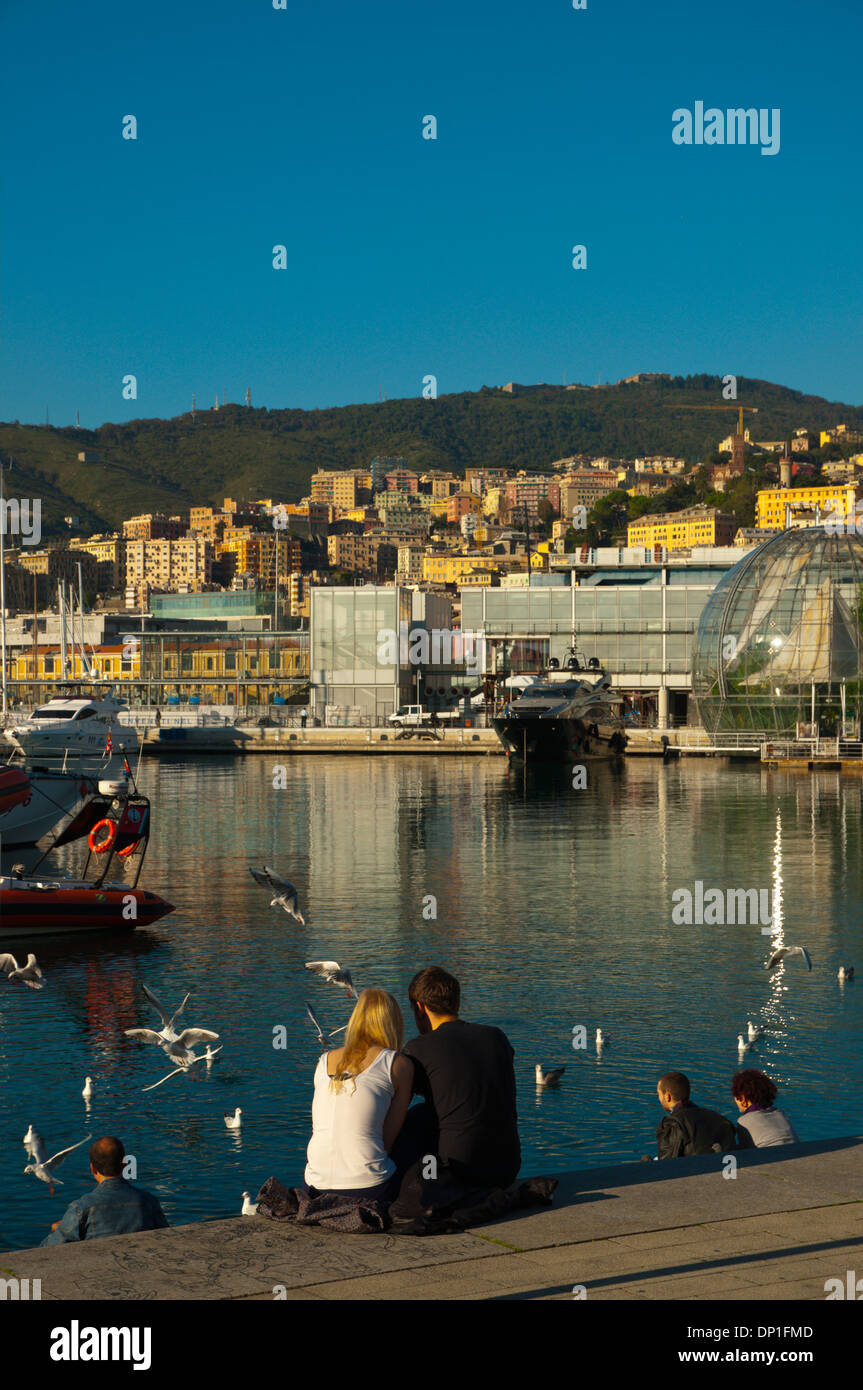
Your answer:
<point x="113" y="1208"/>
<point x="688" y="1130"/>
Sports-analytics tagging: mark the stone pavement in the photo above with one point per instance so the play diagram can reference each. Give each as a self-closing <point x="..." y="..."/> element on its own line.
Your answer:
<point x="791" y="1219"/>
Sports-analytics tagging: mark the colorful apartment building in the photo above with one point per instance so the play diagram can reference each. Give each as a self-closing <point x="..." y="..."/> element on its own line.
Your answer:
<point x="772" y="504"/>
<point x="682" y="530"/>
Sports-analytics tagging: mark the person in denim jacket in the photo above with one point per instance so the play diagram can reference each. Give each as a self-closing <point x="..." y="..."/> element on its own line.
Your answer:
<point x="113" y="1208"/>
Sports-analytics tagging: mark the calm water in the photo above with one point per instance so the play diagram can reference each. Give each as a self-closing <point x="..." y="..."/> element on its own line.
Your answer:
<point x="554" y="909"/>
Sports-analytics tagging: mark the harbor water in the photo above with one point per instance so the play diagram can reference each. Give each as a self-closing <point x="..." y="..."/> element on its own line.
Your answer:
<point x="554" y="906"/>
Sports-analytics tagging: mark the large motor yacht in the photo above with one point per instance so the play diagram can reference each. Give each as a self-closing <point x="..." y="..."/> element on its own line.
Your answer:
<point x="566" y="714"/>
<point x="74" y="734"/>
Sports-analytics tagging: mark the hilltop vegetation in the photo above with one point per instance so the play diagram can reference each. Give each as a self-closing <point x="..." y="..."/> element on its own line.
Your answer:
<point x="170" y="465"/>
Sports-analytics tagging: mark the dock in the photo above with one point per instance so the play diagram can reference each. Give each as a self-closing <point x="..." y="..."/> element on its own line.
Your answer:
<point x="787" y="1222"/>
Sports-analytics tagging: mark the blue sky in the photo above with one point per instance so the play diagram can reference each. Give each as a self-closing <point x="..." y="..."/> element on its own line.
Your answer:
<point x="409" y="256"/>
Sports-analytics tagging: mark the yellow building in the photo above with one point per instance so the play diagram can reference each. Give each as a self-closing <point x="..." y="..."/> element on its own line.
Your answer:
<point x="109" y="553"/>
<point x="254" y="552"/>
<point x="111" y="662"/>
<point x="771" y="504"/>
<point x="452" y="569"/>
<point x="682" y="530"/>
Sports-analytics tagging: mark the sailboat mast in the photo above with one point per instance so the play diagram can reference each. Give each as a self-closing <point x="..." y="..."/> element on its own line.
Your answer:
<point x="3" y="586"/>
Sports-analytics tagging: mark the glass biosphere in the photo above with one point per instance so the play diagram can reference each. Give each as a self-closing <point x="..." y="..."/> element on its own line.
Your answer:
<point x="779" y="642"/>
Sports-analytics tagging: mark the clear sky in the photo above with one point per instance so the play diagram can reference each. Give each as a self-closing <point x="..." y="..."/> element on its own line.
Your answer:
<point x="407" y="256"/>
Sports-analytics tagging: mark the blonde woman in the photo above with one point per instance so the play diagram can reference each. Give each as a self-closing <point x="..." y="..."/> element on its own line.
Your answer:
<point x="362" y="1093"/>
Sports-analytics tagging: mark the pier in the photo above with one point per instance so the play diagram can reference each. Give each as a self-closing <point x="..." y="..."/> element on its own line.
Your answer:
<point x="788" y="1221"/>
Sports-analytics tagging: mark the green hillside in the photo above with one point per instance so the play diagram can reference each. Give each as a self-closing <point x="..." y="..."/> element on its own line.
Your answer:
<point x="170" y="465"/>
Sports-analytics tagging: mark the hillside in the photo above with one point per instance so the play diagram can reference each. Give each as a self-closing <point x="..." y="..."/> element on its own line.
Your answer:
<point x="170" y="465"/>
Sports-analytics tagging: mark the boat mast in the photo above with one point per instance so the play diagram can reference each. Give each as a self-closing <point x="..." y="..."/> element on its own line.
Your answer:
<point x="85" y="665"/>
<point x="3" y="586"/>
<point x="61" y="609"/>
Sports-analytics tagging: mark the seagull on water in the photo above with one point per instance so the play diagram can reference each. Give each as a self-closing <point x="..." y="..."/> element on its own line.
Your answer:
<point x="250" y="1208"/>
<point x="846" y="972"/>
<point x="29" y="973"/>
<point x="177" y="1045"/>
<point x="323" y="1038"/>
<point x="601" y="1039"/>
<point x="742" y="1045"/>
<point x="332" y="972"/>
<point x="753" y="1033"/>
<point x="784" y="951"/>
<point x="234" y="1121"/>
<point x="549" y="1077"/>
<point x="35" y="1145"/>
<point x="88" y="1087"/>
<point x="286" y="893"/>
<point x="44" y="1168"/>
<point x="202" y="1057"/>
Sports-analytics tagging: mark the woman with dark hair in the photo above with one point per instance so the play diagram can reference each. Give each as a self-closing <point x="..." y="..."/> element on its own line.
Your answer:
<point x="761" y="1125"/>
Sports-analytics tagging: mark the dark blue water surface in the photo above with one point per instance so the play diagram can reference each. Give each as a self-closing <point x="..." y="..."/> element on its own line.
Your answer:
<point x="554" y="908"/>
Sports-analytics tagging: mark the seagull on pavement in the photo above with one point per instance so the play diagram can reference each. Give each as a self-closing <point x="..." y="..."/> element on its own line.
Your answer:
<point x="44" y="1168"/>
<point x="29" y="973"/>
<point x="332" y="972"/>
<point x="234" y="1121"/>
<point x="177" y="1045"/>
<point x="784" y="951"/>
<point x="286" y="893"/>
<point x="549" y="1077"/>
<point x="323" y="1038"/>
<point x="250" y="1208"/>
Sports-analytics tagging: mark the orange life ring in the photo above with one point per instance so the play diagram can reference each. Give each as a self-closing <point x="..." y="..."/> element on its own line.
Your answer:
<point x="130" y="849"/>
<point x="99" y="846"/>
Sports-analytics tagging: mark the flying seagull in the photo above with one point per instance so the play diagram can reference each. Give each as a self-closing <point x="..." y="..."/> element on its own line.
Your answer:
<point x="29" y="973"/>
<point x="323" y="1038"/>
<point x="44" y="1168"/>
<point x="177" y="1045"/>
<point x="234" y="1121"/>
<point x="249" y="1208"/>
<point x="286" y="893"/>
<point x="846" y="972"/>
<point x="549" y="1077"/>
<point x="784" y="951"/>
<point x="203" y="1057"/>
<point x="332" y="972"/>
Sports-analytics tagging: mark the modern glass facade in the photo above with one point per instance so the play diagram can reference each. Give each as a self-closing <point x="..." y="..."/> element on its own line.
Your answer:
<point x="779" y="644"/>
<point x="222" y="668"/>
<point x="347" y="645"/>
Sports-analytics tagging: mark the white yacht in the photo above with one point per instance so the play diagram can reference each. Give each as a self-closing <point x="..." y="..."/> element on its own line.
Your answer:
<point x="78" y="734"/>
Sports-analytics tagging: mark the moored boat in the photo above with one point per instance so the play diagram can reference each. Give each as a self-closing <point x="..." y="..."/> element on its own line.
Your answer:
<point x="566" y="715"/>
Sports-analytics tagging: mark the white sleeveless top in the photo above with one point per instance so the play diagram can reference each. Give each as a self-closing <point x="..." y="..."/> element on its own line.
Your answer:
<point x="347" y="1145"/>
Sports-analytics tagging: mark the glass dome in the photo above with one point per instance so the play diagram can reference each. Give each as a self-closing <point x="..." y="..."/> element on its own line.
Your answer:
<point x="779" y="646"/>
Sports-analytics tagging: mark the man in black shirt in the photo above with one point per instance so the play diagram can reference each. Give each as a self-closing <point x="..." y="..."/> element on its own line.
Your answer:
<point x="687" y="1129"/>
<point x="464" y="1072"/>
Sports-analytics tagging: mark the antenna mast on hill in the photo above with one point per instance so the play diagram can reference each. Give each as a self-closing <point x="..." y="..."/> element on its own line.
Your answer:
<point x="248" y="395"/>
<point x="77" y="419"/>
<point x="193" y="405"/>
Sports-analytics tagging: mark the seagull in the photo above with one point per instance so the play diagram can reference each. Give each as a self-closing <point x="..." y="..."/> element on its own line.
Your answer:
<point x="601" y="1039"/>
<point x="742" y="1045"/>
<point x="286" y="893"/>
<point x="234" y="1121"/>
<point x="35" y="1145"/>
<point x="846" y="972"/>
<point x="210" y="1054"/>
<point x="550" y="1077"/>
<point x="753" y="1033"/>
<point x="44" y="1167"/>
<point x="202" y="1057"/>
<point x="177" y="1045"/>
<point x="333" y="973"/>
<point x="323" y="1038"/>
<point x="29" y="973"/>
<point x="784" y="951"/>
<point x="88" y="1088"/>
<point x="250" y="1208"/>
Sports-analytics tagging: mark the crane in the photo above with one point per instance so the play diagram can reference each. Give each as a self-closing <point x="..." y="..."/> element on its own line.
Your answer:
<point x="737" y="446"/>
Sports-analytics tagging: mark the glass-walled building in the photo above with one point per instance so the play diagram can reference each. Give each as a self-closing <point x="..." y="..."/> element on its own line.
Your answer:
<point x="351" y="669"/>
<point x="223" y="668"/>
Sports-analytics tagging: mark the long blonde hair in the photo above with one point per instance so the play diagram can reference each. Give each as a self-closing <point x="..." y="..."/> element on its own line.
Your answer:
<point x="375" y="1022"/>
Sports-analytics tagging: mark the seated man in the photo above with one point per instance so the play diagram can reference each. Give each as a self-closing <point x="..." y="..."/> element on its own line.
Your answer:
<point x="465" y="1073"/>
<point x="113" y="1208"/>
<point x="686" y="1129"/>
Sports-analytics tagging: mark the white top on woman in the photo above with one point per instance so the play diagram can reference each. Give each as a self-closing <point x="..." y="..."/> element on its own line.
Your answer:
<point x="346" y="1149"/>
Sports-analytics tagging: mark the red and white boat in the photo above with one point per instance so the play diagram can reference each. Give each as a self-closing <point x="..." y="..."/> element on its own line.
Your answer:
<point x="116" y="823"/>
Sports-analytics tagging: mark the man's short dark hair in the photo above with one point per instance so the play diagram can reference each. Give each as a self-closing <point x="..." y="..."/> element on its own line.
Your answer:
<point x="753" y="1087"/>
<point x="676" y="1085"/>
<point x="436" y="990"/>
<point x="107" y="1155"/>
